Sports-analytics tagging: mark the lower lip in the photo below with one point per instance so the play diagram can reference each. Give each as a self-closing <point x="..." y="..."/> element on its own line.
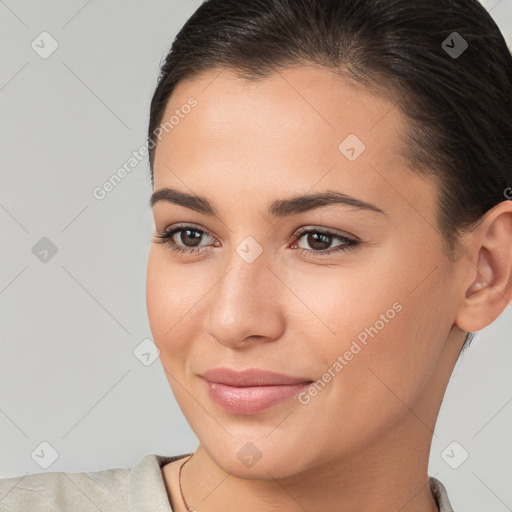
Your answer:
<point x="251" y="399"/>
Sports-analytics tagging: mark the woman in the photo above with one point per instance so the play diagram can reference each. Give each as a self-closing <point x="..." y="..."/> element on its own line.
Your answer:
<point x="332" y="223"/>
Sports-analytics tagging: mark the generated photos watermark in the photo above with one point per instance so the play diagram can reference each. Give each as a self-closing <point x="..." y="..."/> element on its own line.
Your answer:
<point x="357" y="345"/>
<point x="101" y="191"/>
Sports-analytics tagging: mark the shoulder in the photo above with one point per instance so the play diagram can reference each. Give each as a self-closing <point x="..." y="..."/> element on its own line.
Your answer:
<point x="56" y="491"/>
<point x="117" y="489"/>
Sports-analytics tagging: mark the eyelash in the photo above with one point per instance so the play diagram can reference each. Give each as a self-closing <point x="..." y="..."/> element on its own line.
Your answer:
<point x="350" y="243"/>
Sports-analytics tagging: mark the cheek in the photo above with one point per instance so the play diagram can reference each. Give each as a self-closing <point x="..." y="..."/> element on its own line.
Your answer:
<point x="391" y="323"/>
<point x="399" y="361"/>
<point x="170" y="301"/>
<point x="173" y="303"/>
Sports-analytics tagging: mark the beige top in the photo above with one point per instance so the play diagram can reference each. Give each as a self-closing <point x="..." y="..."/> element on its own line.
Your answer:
<point x="138" y="489"/>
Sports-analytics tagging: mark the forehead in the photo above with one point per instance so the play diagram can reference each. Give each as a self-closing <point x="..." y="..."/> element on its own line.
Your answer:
<point x="307" y="101"/>
<point x="302" y="126"/>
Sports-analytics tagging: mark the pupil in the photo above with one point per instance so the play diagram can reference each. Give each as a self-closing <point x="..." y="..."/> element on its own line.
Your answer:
<point x="195" y="239"/>
<point x="313" y="240"/>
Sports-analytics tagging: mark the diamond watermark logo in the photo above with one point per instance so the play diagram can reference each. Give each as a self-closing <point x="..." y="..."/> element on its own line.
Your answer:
<point x="44" y="250"/>
<point x="249" y="454"/>
<point x="44" y="45"/>
<point x="352" y="147"/>
<point x="146" y="352"/>
<point x="454" y="45"/>
<point x="454" y="455"/>
<point x="249" y="249"/>
<point x="44" y="455"/>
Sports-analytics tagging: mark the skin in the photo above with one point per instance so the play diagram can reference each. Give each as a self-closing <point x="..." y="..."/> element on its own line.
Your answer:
<point x="361" y="444"/>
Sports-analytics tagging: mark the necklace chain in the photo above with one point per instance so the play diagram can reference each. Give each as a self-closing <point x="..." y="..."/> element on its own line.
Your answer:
<point x="179" y="481"/>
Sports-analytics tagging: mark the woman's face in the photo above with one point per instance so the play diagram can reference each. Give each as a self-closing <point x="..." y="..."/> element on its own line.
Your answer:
<point x="369" y="319"/>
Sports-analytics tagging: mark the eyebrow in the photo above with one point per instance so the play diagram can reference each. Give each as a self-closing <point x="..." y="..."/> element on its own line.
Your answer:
<point x="278" y="208"/>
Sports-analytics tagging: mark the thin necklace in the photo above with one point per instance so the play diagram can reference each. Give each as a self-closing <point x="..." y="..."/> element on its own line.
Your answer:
<point x="179" y="481"/>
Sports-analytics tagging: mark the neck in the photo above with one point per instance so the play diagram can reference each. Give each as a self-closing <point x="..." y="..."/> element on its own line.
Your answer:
<point x="386" y="479"/>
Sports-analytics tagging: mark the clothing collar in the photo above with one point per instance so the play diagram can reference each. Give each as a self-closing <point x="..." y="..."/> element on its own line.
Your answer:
<point x="146" y="486"/>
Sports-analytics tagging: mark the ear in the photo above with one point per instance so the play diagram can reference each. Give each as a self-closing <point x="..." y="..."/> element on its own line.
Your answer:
<point x="488" y="283"/>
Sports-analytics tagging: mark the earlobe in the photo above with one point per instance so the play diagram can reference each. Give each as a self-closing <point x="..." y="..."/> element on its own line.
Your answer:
<point x="490" y="270"/>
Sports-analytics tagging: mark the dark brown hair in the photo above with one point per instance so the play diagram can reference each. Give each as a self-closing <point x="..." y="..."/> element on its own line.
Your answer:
<point x="459" y="106"/>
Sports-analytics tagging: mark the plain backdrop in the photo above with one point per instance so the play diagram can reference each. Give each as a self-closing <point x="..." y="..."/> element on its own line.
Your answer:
<point x="72" y="275"/>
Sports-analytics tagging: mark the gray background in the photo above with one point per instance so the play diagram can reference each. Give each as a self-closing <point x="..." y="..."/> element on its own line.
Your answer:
<point x="69" y="326"/>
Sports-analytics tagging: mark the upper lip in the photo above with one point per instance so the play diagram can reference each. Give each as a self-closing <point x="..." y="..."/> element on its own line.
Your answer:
<point x="250" y="377"/>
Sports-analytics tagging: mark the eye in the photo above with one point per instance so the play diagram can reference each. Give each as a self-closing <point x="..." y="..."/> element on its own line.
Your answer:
<point x="188" y="235"/>
<point x="320" y="240"/>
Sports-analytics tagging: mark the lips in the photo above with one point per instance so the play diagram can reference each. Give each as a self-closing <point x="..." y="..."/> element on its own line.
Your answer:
<point x="250" y="391"/>
<point x="251" y="377"/>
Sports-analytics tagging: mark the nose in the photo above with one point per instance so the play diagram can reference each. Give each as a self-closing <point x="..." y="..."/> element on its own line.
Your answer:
<point x="246" y="304"/>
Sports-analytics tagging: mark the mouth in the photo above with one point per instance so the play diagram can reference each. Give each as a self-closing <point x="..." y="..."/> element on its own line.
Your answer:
<point x="250" y="391"/>
<point x="251" y="377"/>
